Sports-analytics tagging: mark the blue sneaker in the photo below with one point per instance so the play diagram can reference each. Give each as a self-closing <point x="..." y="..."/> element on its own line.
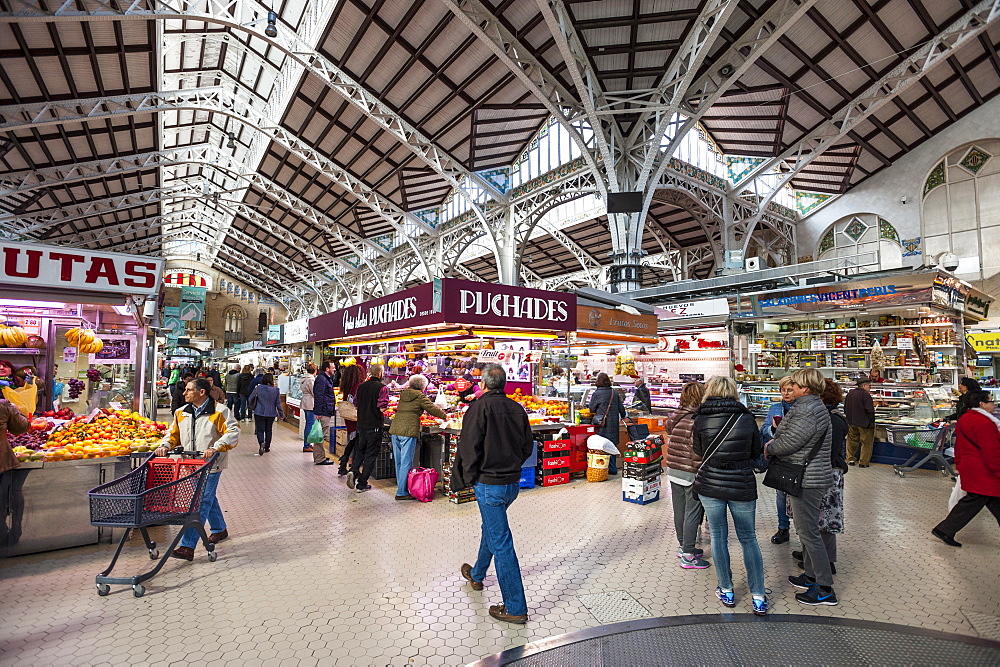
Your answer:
<point x="727" y="597"/>
<point x="760" y="606"/>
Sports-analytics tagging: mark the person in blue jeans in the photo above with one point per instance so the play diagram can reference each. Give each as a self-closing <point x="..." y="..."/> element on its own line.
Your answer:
<point x="496" y="440"/>
<point x="727" y="441"/>
<point x="405" y="429"/>
<point x="203" y="425"/>
<point x="767" y="433"/>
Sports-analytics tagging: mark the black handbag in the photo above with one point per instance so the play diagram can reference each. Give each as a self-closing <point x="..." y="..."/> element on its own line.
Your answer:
<point x="599" y="421"/>
<point x="787" y="477"/>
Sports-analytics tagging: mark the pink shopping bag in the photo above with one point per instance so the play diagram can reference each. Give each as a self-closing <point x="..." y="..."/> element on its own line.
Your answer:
<point x="421" y="482"/>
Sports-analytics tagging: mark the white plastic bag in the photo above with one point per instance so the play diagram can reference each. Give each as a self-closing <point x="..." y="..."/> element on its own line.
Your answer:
<point x="441" y="400"/>
<point x="956" y="494"/>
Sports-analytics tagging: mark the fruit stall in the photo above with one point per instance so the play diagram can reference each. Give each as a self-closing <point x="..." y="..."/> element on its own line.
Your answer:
<point x="61" y="457"/>
<point x="71" y="328"/>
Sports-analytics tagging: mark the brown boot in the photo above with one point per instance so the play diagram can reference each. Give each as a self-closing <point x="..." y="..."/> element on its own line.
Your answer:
<point x="215" y="538"/>
<point x="499" y="612"/>
<point x="467" y="573"/>
<point x="183" y="553"/>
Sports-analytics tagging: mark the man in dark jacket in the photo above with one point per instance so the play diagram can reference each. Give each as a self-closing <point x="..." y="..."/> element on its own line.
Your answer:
<point x="177" y="398"/>
<point x="642" y="394"/>
<point x="371" y="400"/>
<point x="325" y="407"/>
<point x="860" y="411"/>
<point x="496" y="440"/>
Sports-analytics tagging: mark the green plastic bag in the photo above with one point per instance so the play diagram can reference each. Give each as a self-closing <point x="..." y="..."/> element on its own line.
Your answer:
<point x="315" y="433"/>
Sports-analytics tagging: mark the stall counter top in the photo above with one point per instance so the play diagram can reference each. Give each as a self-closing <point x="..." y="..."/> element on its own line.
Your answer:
<point x="35" y="465"/>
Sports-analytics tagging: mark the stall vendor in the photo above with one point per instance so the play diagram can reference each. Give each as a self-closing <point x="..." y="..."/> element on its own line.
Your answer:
<point x="875" y="376"/>
<point x="467" y="387"/>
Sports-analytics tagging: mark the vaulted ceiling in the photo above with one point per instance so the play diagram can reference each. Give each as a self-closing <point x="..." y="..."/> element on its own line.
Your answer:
<point x="422" y="63"/>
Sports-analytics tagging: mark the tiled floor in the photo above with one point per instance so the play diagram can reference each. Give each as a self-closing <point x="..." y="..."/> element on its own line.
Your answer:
<point x="317" y="574"/>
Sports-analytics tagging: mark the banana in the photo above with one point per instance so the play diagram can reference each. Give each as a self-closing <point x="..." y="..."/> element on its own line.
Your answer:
<point x="20" y="336"/>
<point x="86" y="336"/>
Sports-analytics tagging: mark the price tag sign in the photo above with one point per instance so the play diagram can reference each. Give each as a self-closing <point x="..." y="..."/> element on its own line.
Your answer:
<point x="755" y="348"/>
<point x="904" y="343"/>
<point x="818" y="344"/>
<point x="906" y="374"/>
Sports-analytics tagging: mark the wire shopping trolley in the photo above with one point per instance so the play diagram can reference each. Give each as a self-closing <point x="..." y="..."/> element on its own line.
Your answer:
<point x="928" y="445"/>
<point x="161" y="491"/>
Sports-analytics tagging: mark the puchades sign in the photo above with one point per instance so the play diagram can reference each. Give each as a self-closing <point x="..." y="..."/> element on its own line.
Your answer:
<point x="461" y="302"/>
<point x="59" y="267"/>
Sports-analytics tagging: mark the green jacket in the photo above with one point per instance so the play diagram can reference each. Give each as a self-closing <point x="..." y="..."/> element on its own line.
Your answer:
<point x="412" y="404"/>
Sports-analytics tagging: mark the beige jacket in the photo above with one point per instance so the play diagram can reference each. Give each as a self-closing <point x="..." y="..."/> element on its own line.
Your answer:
<point x="215" y="428"/>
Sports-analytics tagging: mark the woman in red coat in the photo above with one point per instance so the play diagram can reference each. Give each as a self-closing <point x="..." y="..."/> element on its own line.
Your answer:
<point x="977" y="456"/>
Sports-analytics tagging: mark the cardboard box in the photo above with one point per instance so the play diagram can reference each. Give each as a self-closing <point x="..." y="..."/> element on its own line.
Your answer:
<point x="642" y="500"/>
<point x="629" y="456"/>
<point x="638" y="487"/>
<point x="643" y="471"/>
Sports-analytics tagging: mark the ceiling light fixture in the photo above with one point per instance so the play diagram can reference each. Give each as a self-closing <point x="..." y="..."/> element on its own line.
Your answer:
<point x="232" y="140"/>
<point x="271" y="30"/>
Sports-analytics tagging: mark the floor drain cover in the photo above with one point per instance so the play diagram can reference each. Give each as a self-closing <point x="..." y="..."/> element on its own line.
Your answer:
<point x="614" y="606"/>
<point x="987" y="627"/>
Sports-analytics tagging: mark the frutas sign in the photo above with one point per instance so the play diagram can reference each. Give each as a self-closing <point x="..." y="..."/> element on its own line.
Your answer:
<point x="75" y="269"/>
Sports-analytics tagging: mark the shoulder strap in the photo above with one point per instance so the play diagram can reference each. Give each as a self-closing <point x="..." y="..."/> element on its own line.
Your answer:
<point x="819" y="443"/>
<point x="720" y="437"/>
<point x="611" y="399"/>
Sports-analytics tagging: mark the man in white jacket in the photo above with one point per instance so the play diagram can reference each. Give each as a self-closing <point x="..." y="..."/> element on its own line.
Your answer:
<point x="209" y="426"/>
<point x="283" y="381"/>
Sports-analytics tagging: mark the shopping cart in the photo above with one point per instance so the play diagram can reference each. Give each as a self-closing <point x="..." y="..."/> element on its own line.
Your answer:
<point x="161" y="491"/>
<point x="928" y="445"/>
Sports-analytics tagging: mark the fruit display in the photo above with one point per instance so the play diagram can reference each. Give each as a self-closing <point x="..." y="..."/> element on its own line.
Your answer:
<point x="12" y="335"/>
<point x="85" y="340"/>
<point x="533" y="403"/>
<point x="93" y="375"/>
<point x="110" y="433"/>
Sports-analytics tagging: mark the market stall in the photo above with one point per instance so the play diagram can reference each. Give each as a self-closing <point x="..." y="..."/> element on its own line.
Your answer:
<point x="903" y="330"/>
<point x="71" y="324"/>
<point x="448" y="330"/>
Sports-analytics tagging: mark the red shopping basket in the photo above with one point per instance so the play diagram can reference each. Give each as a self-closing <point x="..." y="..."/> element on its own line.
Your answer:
<point x="175" y="500"/>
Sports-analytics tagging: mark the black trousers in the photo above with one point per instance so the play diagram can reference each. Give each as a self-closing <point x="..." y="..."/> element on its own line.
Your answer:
<point x="264" y="427"/>
<point x="966" y="510"/>
<point x="368" y="442"/>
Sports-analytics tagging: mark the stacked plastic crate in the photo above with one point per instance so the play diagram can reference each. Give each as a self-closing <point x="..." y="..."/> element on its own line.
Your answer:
<point x="554" y="456"/>
<point x="465" y="495"/>
<point x="642" y="465"/>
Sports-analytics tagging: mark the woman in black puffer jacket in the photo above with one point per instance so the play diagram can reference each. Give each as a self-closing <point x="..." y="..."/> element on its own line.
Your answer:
<point x="727" y="440"/>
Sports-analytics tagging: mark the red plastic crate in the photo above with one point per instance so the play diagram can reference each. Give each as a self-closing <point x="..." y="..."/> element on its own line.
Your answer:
<point x="555" y="462"/>
<point x="163" y="471"/>
<point x="554" y="480"/>
<point x="556" y="445"/>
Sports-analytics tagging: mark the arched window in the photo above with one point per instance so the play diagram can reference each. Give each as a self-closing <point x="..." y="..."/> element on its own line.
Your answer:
<point x="860" y="233"/>
<point x="960" y="210"/>
<point x="234" y="316"/>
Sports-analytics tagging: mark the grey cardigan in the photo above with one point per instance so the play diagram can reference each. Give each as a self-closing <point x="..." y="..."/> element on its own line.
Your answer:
<point x="805" y="422"/>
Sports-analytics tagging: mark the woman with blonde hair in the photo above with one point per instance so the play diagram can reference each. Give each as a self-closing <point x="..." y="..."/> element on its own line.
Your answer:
<point x="727" y="441"/>
<point x="805" y="438"/>
<point x="682" y="465"/>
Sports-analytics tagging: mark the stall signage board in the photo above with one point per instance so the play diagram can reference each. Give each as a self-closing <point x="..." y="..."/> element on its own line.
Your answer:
<point x="904" y="343"/>
<point x="983" y="341"/>
<point x="462" y="302"/>
<point x="296" y="331"/>
<point x="900" y="290"/>
<point x="63" y="268"/>
<point x="703" y="308"/>
<point x="754" y="348"/>
<point x="611" y="319"/>
<point x="818" y="344"/>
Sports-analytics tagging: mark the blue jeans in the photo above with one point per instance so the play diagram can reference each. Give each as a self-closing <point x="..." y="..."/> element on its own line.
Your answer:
<point x="310" y="417"/>
<point x="498" y="543"/>
<point x="743" y="519"/>
<point x="210" y="510"/>
<point x="242" y="407"/>
<point x="613" y="465"/>
<point x="403" y="449"/>
<point x="231" y="399"/>
<point x="781" y="500"/>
